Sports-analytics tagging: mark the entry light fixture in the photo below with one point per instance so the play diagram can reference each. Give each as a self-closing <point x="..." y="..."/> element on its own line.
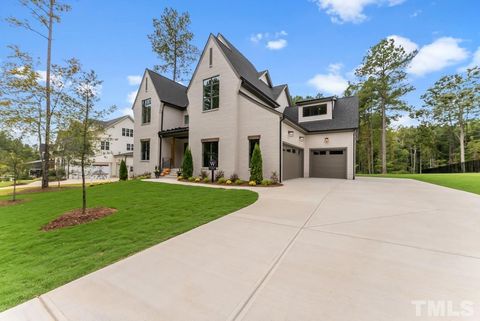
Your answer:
<point x="290" y="133"/>
<point x="301" y="138"/>
<point x="326" y="140"/>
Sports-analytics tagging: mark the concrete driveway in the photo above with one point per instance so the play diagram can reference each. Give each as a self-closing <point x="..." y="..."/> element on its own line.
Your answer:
<point x="315" y="249"/>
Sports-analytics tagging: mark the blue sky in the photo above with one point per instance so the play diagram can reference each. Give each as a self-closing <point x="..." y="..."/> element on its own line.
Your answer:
<point x="312" y="45"/>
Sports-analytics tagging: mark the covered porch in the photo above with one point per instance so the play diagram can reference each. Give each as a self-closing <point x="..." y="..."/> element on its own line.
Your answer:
<point x="173" y="143"/>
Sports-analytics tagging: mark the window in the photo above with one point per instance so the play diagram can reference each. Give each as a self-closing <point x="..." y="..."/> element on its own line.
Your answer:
<point x="336" y="152"/>
<point x="127" y="132"/>
<point x="251" y="145"/>
<point x="211" y="93"/>
<point x="145" y="150"/>
<point x="185" y="119"/>
<point x="210" y="57"/>
<point x="210" y="152"/>
<point x="146" y="111"/>
<point x="129" y="147"/>
<point x="315" y="110"/>
<point x="104" y="145"/>
<point x="146" y="84"/>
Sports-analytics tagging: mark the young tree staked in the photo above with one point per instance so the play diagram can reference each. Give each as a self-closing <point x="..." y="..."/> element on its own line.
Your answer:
<point x="44" y="15"/>
<point x="384" y="67"/>
<point x="172" y="42"/>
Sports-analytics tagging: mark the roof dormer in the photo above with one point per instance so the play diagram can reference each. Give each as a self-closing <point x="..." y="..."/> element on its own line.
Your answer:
<point x="316" y="109"/>
<point x="265" y="77"/>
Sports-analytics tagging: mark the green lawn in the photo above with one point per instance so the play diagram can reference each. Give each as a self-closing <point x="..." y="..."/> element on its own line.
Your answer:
<point x="20" y="182"/>
<point x="33" y="262"/>
<point x="469" y="182"/>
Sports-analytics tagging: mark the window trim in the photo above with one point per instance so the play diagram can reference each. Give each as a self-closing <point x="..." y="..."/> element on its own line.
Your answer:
<point x="142" y="141"/>
<point x="150" y="111"/>
<point x="324" y="107"/>
<point x="211" y="96"/>
<point x="105" y="145"/>
<point x="210" y="141"/>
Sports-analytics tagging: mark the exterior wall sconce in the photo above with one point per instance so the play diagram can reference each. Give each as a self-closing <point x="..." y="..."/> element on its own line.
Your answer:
<point x="301" y="138"/>
<point x="326" y="140"/>
<point x="290" y="133"/>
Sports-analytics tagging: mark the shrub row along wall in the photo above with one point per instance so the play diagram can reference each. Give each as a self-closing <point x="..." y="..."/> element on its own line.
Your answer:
<point x="470" y="167"/>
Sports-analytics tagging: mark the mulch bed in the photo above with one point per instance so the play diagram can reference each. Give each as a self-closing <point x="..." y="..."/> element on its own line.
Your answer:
<point x="76" y="217"/>
<point x="10" y="202"/>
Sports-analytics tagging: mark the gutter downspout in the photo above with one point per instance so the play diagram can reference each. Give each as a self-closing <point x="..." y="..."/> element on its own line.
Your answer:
<point x="160" y="165"/>
<point x="282" y="117"/>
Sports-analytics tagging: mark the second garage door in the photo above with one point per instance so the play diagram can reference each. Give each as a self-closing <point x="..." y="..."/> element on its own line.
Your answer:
<point x="330" y="163"/>
<point x="292" y="162"/>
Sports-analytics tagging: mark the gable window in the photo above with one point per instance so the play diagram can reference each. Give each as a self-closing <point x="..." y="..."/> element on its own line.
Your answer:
<point x="104" y="145"/>
<point x="210" y="152"/>
<point x="146" y="111"/>
<point x="315" y="110"/>
<point x="211" y="93"/>
<point x="185" y="119"/>
<point x="252" y="141"/>
<point x="210" y="57"/>
<point x="127" y="132"/>
<point x="129" y="147"/>
<point x="146" y="84"/>
<point x="145" y="150"/>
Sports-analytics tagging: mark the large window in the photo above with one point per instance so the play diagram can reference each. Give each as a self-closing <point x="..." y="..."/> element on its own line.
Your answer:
<point x="146" y="111"/>
<point x="185" y="119"/>
<point x="210" y="152"/>
<point x="145" y="150"/>
<point x="315" y="110"/>
<point x="104" y="145"/>
<point x="211" y="93"/>
<point x="251" y="145"/>
<point x="127" y="132"/>
<point x="129" y="147"/>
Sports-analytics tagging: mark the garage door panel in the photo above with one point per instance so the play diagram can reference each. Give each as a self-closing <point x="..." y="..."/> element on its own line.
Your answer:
<point x="328" y="163"/>
<point x="292" y="162"/>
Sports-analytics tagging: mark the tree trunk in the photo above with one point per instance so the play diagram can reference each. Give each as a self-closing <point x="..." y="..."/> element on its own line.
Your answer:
<point x="384" y="139"/>
<point x="370" y="141"/>
<point x="14" y="195"/>
<point x="84" y="151"/>
<point x="462" y="147"/>
<point x="46" y="158"/>
<point x="414" y="166"/>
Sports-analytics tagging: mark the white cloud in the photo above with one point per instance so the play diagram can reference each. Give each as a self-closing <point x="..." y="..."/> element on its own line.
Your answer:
<point x="256" y="38"/>
<point x="406" y="43"/>
<point x="131" y="97"/>
<point x="474" y="63"/>
<point x="341" y="11"/>
<point x="441" y="53"/>
<point x="134" y="80"/>
<point x="127" y="111"/>
<point x="277" y="44"/>
<point x="282" y="33"/>
<point x="416" y="13"/>
<point x="332" y="82"/>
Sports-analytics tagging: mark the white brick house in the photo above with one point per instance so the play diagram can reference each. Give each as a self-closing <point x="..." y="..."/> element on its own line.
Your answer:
<point x="227" y="108"/>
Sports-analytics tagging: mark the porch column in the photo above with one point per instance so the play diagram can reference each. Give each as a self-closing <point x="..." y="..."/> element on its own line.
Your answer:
<point x="173" y="152"/>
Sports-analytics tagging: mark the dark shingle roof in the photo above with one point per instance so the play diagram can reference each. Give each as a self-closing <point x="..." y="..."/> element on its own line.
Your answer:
<point x="345" y="116"/>
<point x="246" y="70"/>
<point x="168" y="90"/>
<point x="108" y="123"/>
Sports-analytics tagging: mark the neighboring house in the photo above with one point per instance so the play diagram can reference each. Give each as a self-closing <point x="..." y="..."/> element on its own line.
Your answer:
<point x="115" y="143"/>
<point x="227" y="108"/>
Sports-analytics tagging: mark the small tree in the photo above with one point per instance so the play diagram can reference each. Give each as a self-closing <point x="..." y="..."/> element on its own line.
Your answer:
<point x="256" y="165"/>
<point x="187" y="165"/>
<point x="171" y="41"/>
<point x="123" y="175"/>
<point x="14" y="160"/>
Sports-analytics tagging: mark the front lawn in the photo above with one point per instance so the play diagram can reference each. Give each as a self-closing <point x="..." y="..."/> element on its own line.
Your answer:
<point x="34" y="262"/>
<point x="469" y="182"/>
<point x="19" y="182"/>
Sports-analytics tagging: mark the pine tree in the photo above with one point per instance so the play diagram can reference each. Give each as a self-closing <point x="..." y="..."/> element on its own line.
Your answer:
<point x="123" y="175"/>
<point x="256" y="165"/>
<point x="187" y="165"/>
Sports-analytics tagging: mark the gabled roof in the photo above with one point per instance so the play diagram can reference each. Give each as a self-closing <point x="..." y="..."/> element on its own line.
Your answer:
<point x="345" y="116"/>
<point x="111" y="122"/>
<point x="247" y="71"/>
<point x="169" y="91"/>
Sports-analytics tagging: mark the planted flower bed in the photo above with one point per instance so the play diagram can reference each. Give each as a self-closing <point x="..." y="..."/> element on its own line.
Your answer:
<point x="234" y="180"/>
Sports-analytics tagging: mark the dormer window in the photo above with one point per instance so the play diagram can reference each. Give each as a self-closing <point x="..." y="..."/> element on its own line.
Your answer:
<point x="315" y="110"/>
<point x="211" y="93"/>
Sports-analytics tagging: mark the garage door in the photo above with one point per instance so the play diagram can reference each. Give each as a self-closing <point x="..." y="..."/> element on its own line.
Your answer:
<point x="330" y="163"/>
<point x="292" y="162"/>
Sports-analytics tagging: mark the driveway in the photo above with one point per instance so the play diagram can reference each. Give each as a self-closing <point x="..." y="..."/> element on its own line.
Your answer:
<point x="315" y="249"/>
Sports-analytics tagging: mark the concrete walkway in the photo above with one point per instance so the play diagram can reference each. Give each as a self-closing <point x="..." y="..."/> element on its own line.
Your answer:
<point x="315" y="249"/>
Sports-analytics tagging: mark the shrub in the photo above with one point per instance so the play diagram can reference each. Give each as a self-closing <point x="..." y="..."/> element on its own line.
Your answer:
<point x="252" y="183"/>
<point x="191" y="179"/>
<point x="203" y="174"/>
<point x="228" y="182"/>
<point x="256" y="165"/>
<point x="206" y="180"/>
<point x="266" y="182"/>
<point x="123" y="174"/>
<point x="219" y="174"/>
<point x="221" y="180"/>
<point x="239" y="182"/>
<point x="180" y="178"/>
<point x="197" y="179"/>
<point x="234" y="177"/>
<point x="187" y="165"/>
<point x="274" y="177"/>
